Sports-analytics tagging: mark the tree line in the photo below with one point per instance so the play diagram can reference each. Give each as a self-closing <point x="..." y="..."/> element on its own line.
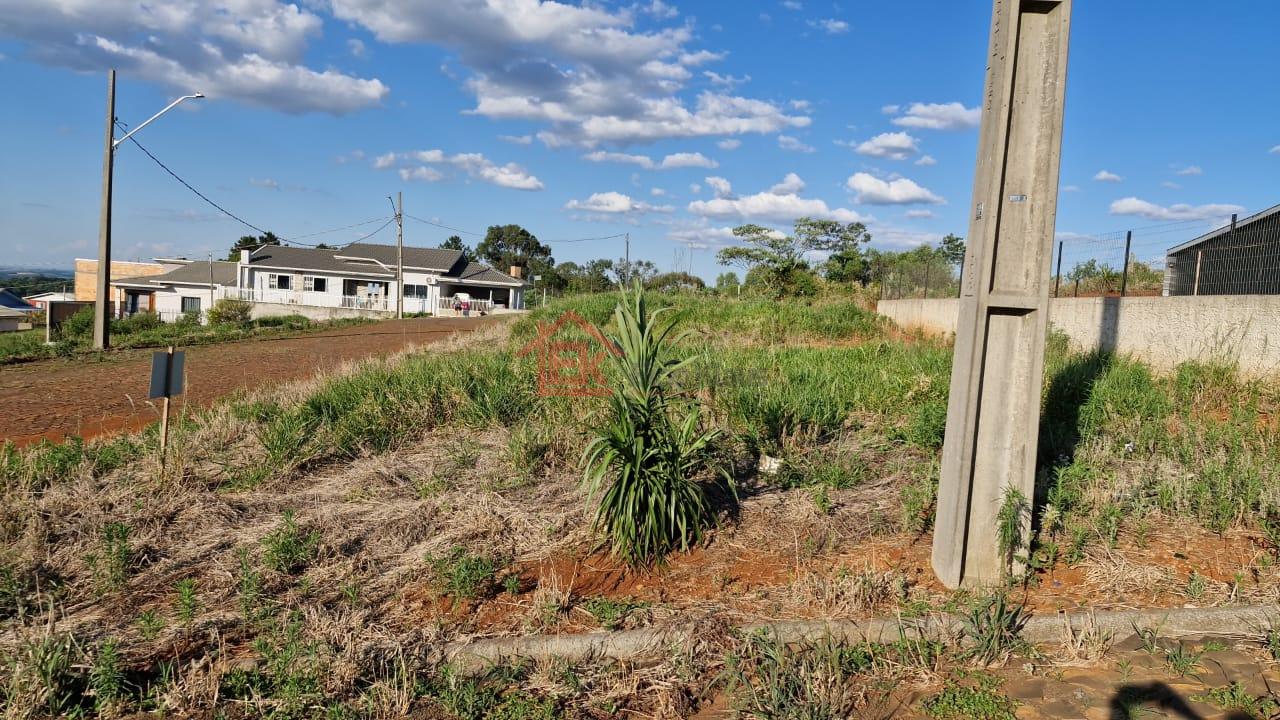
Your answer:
<point x="775" y="263"/>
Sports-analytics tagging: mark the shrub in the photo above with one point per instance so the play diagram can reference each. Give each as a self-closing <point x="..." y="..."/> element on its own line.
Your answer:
<point x="642" y="462"/>
<point x="79" y="325"/>
<point x="136" y="323"/>
<point x="228" y="311"/>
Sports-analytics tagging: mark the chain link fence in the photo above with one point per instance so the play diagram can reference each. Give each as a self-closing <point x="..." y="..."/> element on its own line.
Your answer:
<point x="1186" y="257"/>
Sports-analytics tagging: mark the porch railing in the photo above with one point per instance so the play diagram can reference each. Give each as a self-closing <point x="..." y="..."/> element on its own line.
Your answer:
<point x="474" y="305"/>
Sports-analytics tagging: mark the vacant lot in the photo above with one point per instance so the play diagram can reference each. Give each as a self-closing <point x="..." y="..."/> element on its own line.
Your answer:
<point x="90" y="396"/>
<point x="310" y="550"/>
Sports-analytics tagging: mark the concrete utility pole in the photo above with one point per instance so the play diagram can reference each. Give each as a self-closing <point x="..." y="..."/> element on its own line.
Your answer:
<point x="101" y="317"/>
<point x="209" y="315"/>
<point x="994" y="410"/>
<point x="400" y="255"/>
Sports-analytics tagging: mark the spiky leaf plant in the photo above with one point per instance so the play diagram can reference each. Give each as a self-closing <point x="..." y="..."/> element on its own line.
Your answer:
<point x="643" y="461"/>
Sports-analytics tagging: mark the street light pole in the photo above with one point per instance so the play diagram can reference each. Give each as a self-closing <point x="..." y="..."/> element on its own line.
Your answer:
<point x="101" y="316"/>
<point x="101" y="319"/>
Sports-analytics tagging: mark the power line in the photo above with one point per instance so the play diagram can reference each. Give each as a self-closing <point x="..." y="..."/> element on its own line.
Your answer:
<point x="375" y="232"/>
<point x="295" y="238"/>
<point x="446" y="227"/>
<point x="188" y="186"/>
<point x="588" y="239"/>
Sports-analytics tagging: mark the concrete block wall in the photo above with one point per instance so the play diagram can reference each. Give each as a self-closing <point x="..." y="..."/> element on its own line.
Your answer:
<point x="1162" y="331"/>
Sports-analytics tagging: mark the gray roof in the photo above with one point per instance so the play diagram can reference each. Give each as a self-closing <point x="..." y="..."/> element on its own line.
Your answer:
<point x="196" y="273"/>
<point x="476" y="272"/>
<point x="8" y="313"/>
<point x="312" y="259"/>
<point x="414" y="257"/>
<point x="1226" y="229"/>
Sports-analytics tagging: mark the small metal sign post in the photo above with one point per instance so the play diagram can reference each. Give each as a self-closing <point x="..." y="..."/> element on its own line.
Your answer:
<point x="166" y="381"/>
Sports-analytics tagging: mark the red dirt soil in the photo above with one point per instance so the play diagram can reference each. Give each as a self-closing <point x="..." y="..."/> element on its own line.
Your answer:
<point x="85" y="396"/>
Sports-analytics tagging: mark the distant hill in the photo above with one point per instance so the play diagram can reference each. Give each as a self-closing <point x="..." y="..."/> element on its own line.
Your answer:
<point x="29" y="281"/>
<point x="15" y="272"/>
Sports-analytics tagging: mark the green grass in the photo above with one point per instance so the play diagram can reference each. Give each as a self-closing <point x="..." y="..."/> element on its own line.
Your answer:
<point x="980" y="700"/>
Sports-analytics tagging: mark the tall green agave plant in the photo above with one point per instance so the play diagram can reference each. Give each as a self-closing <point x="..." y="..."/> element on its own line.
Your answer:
<point x="643" y="461"/>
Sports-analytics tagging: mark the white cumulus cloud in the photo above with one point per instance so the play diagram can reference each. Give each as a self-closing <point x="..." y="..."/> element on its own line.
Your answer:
<point x="688" y="160"/>
<point x="720" y="186"/>
<point x="937" y="116"/>
<point x="894" y="146"/>
<point x="1190" y="170"/>
<point x="1107" y="176"/>
<point x="614" y="203"/>
<point x="872" y="190"/>
<point x="926" y="160"/>
<point x="786" y="142"/>
<point x="781" y="203"/>
<point x="475" y="165"/>
<point x="729" y="144"/>
<point x="1180" y="211"/>
<point x="790" y="185"/>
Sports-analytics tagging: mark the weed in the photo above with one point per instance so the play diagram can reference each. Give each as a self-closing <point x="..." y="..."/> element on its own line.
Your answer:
<point x="768" y="679"/>
<point x="111" y="564"/>
<point x="1012" y="525"/>
<point x="511" y="584"/>
<point x="1079" y="538"/>
<point x="821" y="501"/>
<point x="45" y="673"/>
<point x="1271" y="641"/>
<point x="289" y="672"/>
<point x="1235" y="697"/>
<point x="351" y="593"/>
<point x="643" y="461"/>
<point x="15" y="587"/>
<point x="106" y="677"/>
<point x="1183" y="661"/>
<point x="992" y="625"/>
<point x="1197" y="584"/>
<point x="1148" y="637"/>
<point x="979" y="701"/>
<point x="289" y="548"/>
<point x="249" y="587"/>
<point x="188" y="604"/>
<point x="465" y="576"/>
<point x="610" y="613"/>
<point x="150" y="624"/>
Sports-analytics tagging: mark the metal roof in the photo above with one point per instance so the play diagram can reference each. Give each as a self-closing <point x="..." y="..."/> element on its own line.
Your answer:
<point x="293" y="258"/>
<point x="1225" y="229"/>
<point x="196" y="273"/>
<point x="414" y="257"/>
<point x="11" y="300"/>
<point x="477" y="272"/>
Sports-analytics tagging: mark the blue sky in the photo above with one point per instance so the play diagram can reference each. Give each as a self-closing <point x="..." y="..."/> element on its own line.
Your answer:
<point x="673" y="121"/>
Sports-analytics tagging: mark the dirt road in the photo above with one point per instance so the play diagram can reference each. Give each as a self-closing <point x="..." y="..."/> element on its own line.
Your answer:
<point x="90" y="397"/>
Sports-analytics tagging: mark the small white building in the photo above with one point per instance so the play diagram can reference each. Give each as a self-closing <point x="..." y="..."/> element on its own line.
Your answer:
<point x="281" y="280"/>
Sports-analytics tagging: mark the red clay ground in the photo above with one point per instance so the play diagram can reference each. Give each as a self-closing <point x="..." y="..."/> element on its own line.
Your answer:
<point x="89" y="397"/>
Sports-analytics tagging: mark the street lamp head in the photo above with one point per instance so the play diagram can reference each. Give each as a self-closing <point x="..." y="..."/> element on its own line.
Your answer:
<point x="198" y="96"/>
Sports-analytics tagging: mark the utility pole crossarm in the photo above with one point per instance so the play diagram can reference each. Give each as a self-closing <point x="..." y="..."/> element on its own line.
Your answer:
<point x="148" y="121"/>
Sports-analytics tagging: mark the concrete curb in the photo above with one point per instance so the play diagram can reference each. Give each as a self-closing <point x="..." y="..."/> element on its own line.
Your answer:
<point x="471" y="658"/>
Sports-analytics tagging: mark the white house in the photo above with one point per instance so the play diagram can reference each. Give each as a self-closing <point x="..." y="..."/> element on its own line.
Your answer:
<point x="359" y="277"/>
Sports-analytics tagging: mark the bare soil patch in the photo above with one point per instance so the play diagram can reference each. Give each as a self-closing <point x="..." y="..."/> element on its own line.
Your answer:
<point x="90" y="397"/>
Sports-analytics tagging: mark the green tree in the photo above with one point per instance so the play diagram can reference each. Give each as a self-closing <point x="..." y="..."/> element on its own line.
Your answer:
<point x="505" y="246"/>
<point x="952" y="249"/>
<point x="727" y="283"/>
<point x="251" y="242"/>
<point x="468" y="255"/>
<point x="628" y="271"/>
<point x="676" y="282"/>
<point x="776" y="260"/>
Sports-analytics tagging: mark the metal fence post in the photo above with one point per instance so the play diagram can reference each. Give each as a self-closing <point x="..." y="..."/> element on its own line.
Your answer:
<point x="926" y="281"/>
<point x="1124" y="276"/>
<point x="1057" y="278"/>
<point x="1196" y="289"/>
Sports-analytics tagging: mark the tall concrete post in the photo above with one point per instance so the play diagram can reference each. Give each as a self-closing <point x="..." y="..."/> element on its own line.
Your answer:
<point x="994" y="410"/>
<point x="101" y="306"/>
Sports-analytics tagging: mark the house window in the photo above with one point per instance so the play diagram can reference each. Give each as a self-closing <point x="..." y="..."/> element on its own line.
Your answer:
<point x="415" y="291"/>
<point x="190" y="306"/>
<point x="314" y="284"/>
<point x="278" y="282"/>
